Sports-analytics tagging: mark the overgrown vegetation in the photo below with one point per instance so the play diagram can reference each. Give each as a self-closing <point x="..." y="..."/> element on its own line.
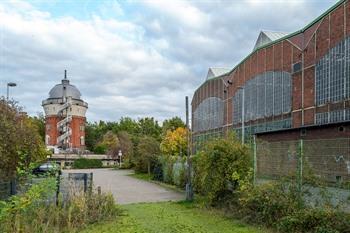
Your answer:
<point x="223" y="175"/>
<point x="83" y="163"/>
<point x="36" y="210"/>
<point x="21" y="140"/>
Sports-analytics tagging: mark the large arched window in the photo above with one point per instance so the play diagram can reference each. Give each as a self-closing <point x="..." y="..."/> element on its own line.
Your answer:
<point x="267" y="94"/>
<point x="333" y="74"/>
<point x="333" y="82"/>
<point x="209" y="114"/>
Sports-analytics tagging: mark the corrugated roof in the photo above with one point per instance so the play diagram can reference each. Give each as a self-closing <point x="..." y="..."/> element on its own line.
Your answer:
<point x="217" y="71"/>
<point x="266" y="37"/>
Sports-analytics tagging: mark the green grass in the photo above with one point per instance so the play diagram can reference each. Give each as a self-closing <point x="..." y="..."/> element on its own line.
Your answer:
<point x="169" y="217"/>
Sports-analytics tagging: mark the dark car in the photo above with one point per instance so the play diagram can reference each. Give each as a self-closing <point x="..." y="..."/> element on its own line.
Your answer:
<point x="47" y="169"/>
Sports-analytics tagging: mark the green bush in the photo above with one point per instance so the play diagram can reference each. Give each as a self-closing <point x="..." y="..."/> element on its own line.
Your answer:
<point x="220" y="168"/>
<point x="268" y="203"/>
<point x="316" y="221"/>
<point x="83" y="163"/>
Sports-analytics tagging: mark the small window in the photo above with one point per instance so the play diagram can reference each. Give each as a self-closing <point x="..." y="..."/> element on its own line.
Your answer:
<point x="82" y="141"/>
<point x="303" y="132"/>
<point x="297" y="67"/>
<point x="82" y="127"/>
<point x="48" y="127"/>
<point x="341" y="129"/>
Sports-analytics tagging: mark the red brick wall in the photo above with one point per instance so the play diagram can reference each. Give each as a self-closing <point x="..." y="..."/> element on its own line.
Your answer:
<point x="324" y="132"/>
<point x="307" y="47"/>
<point x="75" y="126"/>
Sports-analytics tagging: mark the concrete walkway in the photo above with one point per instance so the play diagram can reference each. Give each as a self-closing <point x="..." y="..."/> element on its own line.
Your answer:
<point x="126" y="189"/>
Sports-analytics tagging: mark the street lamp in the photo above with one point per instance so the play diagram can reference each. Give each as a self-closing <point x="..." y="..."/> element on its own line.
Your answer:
<point x="8" y="89"/>
<point x="243" y="96"/>
<point x="120" y="154"/>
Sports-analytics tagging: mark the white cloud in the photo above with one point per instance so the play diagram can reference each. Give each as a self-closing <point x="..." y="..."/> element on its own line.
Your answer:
<point x="142" y="65"/>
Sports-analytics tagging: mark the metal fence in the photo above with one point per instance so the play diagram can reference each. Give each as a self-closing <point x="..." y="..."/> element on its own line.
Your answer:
<point x="313" y="164"/>
<point x="67" y="183"/>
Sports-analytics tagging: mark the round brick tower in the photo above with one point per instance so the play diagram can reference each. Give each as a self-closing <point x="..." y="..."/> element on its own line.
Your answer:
<point x="65" y="117"/>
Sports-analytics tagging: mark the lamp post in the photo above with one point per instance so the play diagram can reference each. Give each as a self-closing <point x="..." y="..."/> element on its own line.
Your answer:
<point x="120" y="155"/>
<point x="243" y="96"/>
<point x="8" y="89"/>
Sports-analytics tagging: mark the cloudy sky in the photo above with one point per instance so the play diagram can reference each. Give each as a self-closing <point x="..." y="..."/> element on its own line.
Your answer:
<point x="133" y="58"/>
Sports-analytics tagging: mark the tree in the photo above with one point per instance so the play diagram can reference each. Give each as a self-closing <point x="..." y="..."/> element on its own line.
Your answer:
<point x="172" y="124"/>
<point x="149" y="127"/>
<point x="20" y="141"/>
<point x="39" y="121"/>
<point x="111" y="142"/>
<point x="147" y="152"/>
<point x="126" y="146"/>
<point x="174" y="143"/>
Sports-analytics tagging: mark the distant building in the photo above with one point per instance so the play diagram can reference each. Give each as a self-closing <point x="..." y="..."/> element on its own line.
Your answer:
<point x="65" y="117"/>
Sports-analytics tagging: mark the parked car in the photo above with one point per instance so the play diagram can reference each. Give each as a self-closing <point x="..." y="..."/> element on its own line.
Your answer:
<point x="47" y="169"/>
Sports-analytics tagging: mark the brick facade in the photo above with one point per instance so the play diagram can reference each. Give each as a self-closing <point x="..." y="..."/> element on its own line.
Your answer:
<point x="307" y="46"/>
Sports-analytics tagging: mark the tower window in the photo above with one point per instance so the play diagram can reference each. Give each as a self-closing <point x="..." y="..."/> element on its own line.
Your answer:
<point x="82" y="141"/>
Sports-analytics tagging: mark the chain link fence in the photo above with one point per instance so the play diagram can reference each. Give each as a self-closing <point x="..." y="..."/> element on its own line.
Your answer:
<point x="320" y="167"/>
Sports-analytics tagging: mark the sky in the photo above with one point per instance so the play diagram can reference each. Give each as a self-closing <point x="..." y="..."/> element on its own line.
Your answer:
<point x="133" y="58"/>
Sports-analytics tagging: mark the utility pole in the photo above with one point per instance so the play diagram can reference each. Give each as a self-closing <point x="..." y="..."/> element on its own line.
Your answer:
<point x="189" y="189"/>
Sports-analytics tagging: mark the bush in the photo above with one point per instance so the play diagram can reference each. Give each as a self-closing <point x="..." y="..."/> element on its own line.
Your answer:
<point x="220" y="168"/>
<point x="268" y="203"/>
<point x="36" y="210"/>
<point x="316" y="220"/>
<point x="82" y="163"/>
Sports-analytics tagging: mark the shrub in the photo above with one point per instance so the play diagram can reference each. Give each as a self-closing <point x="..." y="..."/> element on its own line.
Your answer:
<point x="220" y="168"/>
<point x="316" y="220"/>
<point x="36" y="210"/>
<point x="82" y="163"/>
<point x="268" y="203"/>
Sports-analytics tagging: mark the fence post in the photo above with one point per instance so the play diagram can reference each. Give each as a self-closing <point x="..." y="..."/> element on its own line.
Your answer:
<point x="254" y="161"/>
<point x="58" y="184"/>
<point x="91" y="184"/>
<point x="85" y="182"/>
<point x="13" y="190"/>
<point x="300" y="164"/>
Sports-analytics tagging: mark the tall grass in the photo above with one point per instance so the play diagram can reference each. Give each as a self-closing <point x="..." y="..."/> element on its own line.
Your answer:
<point x="37" y="211"/>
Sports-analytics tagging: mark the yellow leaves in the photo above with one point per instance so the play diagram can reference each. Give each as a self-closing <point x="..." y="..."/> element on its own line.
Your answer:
<point x="175" y="142"/>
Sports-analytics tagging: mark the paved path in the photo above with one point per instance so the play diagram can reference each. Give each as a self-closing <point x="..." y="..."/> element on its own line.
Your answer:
<point x="126" y="189"/>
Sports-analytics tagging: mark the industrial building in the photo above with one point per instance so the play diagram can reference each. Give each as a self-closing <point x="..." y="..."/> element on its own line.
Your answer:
<point x="65" y="118"/>
<point x="291" y="86"/>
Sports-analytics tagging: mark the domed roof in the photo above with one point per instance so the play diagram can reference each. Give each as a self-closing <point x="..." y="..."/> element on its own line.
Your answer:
<point x="58" y="91"/>
<point x="64" y="89"/>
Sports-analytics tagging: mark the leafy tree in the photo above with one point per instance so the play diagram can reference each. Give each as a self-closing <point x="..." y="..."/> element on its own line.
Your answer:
<point x="39" y="121"/>
<point x="125" y="145"/>
<point x="172" y="124"/>
<point x="111" y="142"/>
<point x="174" y="143"/>
<point x="20" y="141"/>
<point x="150" y="127"/>
<point x="147" y="151"/>
<point x="128" y="125"/>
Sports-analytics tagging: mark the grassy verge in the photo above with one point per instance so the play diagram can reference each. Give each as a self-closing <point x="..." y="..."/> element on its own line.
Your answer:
<point x="168" y="217"/>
